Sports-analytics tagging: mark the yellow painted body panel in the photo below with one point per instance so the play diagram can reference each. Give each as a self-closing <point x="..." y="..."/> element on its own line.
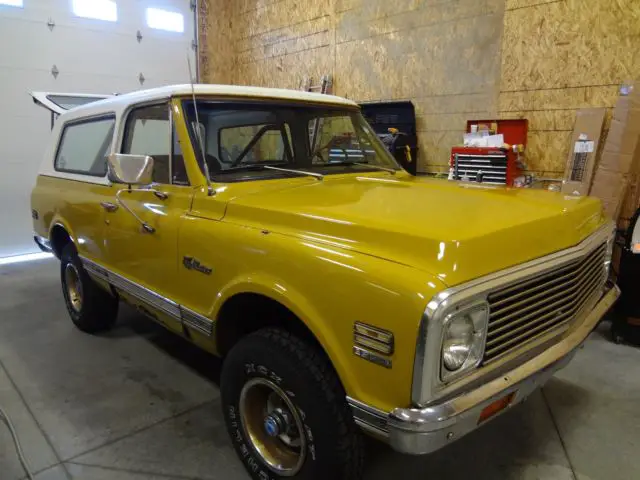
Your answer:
<point x="75" y="206"/>
<point x="371" y="247"/>
<point x="148" y="259"/>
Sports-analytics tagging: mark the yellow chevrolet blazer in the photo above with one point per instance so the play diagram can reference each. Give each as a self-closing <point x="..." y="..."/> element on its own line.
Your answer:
<point x="271" y="227"/>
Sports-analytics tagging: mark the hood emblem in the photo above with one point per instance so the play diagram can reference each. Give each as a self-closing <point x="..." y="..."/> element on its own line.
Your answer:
<point x="191" y="263"/>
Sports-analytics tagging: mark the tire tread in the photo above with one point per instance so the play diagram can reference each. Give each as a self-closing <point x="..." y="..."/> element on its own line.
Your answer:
<point x="99" y="307"/>
<point x="350" y="443"/>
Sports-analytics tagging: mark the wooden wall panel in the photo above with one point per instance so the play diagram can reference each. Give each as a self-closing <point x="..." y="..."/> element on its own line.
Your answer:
<point x="570" y="43"/>
<point x="559" y="56"/>
<point x="455" y="59"/>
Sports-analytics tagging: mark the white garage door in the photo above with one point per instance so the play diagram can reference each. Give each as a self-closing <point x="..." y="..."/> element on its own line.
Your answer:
<point x="49" y="45"/>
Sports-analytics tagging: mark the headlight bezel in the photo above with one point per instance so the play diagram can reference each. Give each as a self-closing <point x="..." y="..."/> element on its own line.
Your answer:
<point x="480" y="307"/>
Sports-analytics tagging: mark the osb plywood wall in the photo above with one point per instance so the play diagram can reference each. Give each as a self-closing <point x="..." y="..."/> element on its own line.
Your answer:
<point x="455" y="59"/>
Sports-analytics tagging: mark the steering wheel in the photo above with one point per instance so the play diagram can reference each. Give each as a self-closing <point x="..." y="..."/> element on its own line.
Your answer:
<point x="316" y="153"/>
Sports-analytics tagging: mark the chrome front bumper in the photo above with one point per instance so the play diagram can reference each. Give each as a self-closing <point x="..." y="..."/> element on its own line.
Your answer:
<point x="425" y="430"/>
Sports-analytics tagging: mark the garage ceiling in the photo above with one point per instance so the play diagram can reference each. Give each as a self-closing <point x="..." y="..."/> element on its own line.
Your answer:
<point x="46" y="47"/>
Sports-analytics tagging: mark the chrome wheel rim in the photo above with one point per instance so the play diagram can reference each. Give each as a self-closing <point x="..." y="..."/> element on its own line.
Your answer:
<point x="74" y="286"/>
<point x="272" y="426"/>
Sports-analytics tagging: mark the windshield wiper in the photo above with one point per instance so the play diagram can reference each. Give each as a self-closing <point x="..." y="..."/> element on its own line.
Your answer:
<point x="318" y="176"/>
<point x="258" y="167"/>
<point x="361" y="164"/>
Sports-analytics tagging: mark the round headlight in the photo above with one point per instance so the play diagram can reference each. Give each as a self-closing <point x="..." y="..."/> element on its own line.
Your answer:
<point x="458" y="342"/>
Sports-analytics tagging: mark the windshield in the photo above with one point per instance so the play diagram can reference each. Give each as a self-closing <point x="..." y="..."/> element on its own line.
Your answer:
<point x="242" y="141"/>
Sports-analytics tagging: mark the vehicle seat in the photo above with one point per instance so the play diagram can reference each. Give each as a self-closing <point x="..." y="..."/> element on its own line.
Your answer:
<point x="160" y="169"/>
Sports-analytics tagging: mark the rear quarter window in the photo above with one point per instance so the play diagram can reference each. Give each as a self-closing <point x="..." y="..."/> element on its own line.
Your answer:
<point x="83" y="146"/>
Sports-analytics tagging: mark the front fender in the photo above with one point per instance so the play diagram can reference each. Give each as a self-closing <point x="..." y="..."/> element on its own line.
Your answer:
<point x="326" y="287"/>
<point x="283" y="292"/>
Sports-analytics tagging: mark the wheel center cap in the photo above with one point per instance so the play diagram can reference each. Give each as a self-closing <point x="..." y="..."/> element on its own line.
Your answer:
<point x="273" y="424"/>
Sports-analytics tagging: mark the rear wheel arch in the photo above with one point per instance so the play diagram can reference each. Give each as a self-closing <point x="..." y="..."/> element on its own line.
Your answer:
<point x="59" y="237"/>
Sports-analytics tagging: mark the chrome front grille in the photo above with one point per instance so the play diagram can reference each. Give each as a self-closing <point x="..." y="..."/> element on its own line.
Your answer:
<point x="526" y="310"/>
<point x="493" y="167"/>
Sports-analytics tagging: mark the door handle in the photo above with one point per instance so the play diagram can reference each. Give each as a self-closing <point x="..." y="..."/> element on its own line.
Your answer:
<point x="109" y="207"/>
<point x="160" y="195"/>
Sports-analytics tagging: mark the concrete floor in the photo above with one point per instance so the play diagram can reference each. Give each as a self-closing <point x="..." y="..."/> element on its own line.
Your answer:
<point x="139" y="403"/>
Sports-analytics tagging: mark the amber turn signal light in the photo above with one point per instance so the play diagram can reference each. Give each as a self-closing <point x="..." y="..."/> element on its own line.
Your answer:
<point x="495" y="407"/>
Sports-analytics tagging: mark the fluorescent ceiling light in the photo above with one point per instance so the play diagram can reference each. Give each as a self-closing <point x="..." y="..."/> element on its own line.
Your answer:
<point x="98" y="9"/>
<point x="165" y="20"/>
<point x="27" y="257"/>
<point x="12" y="3"/>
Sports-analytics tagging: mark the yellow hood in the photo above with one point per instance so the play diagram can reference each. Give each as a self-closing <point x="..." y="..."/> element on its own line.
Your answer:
<point x="456" y="231"/>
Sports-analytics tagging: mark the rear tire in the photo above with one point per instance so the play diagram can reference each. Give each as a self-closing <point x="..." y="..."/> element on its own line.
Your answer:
<point x="91" y="308"/>
<point x="312" y="434"/>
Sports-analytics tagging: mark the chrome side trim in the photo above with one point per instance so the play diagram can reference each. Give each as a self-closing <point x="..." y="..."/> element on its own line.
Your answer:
<point x="426" y="387"/>
<point x="180" y="313"/>
<point x="369" y="418"/>
<point x="95" y="269"/>
<point x="196" y="321"/>
<point x="141" y="293"/>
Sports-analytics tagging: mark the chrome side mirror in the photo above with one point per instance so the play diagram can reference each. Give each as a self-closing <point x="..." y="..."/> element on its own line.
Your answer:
<point x="131" y="169"/>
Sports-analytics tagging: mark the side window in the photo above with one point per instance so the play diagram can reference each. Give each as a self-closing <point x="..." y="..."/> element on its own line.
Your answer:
<point x="84" y="145"/>
<point x="255" y="143"/>
<point x="148" y="132"/>
<point x="337" y="141"/>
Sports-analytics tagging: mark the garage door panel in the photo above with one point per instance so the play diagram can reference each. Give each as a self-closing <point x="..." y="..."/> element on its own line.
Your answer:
<point x="16" y="214"/>
<point x="16" y="139"/>
<point x="84" y="82"/>
<point x="94" y="51"/>
<point x="91" y="56"/>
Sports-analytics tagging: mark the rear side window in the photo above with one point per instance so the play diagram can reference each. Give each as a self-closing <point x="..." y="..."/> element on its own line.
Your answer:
<point x="84" y="145"/>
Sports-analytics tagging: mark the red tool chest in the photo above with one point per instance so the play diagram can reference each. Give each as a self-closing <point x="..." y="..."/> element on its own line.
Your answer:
<point x="496" y="165"/>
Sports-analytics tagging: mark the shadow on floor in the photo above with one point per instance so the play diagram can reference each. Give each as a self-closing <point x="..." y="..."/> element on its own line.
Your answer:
<point x="508" y="447"/>
<point x="132" y="323"/>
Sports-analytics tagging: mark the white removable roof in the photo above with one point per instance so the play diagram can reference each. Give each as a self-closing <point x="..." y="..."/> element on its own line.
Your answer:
<point x="119" y="103"/>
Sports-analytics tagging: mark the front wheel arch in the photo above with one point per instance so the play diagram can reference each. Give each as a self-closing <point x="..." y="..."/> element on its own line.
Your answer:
<point x="245" y="313"/>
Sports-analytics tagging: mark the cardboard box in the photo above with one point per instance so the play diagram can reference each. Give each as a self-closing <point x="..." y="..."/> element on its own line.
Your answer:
<point x="630" y="203"/>
<point x="627" y="108"/>
<point x="628" y="100"/>
<point x="610" y="187"/>
<point x="582" y="154"/>
<point x="623" y="137"/>
<point x="617" y="162"/>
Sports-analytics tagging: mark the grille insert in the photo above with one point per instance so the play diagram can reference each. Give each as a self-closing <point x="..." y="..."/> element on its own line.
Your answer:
<point x="526" y="310"/>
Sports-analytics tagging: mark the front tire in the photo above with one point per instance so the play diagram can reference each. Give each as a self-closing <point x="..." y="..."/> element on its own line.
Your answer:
<point x="91" y="308"/>
<point x="286" y="412"/>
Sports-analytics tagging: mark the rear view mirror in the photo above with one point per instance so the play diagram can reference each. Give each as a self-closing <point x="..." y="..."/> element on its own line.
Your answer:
<point x="131" y="169"/>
